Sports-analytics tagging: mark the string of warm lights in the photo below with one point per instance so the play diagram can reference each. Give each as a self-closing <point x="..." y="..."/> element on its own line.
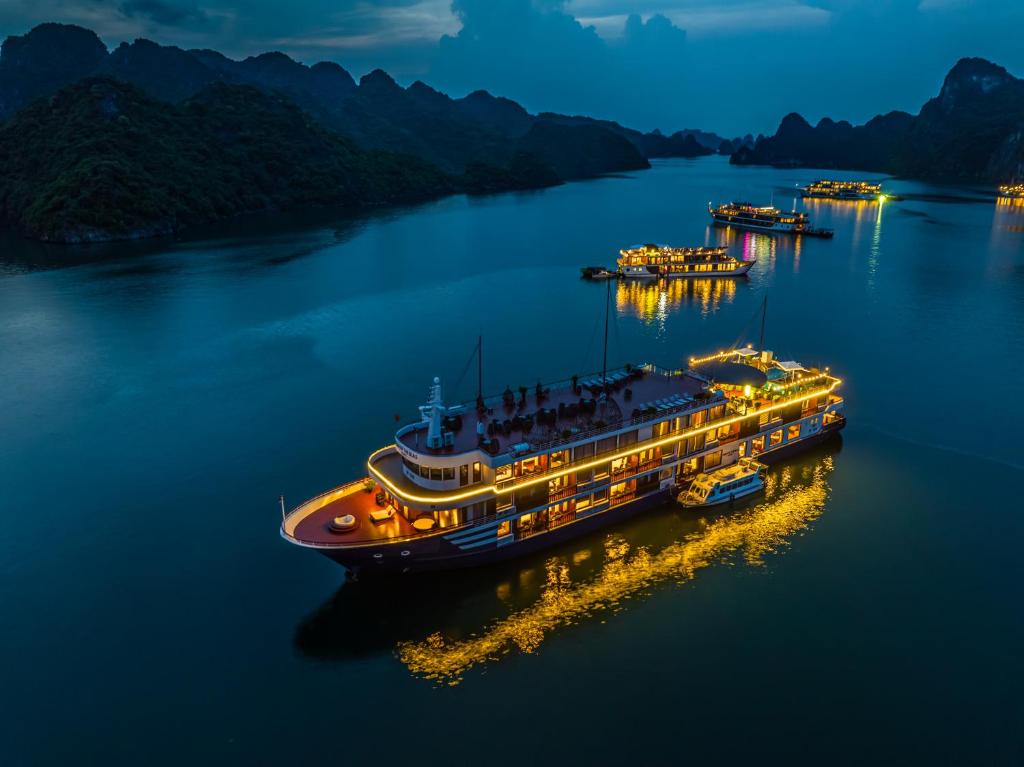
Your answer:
<point x="671" y="439"/>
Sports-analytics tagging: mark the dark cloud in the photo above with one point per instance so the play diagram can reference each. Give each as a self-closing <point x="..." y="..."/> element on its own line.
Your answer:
<point x="728" y="65"/>
<point x="538" y="53"/>
<point x="164" y="13"/>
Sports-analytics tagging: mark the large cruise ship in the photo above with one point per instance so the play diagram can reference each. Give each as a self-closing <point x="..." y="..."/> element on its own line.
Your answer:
<point x="764" y="219"/>
<point x="478" y="482"/>
<point x="663" y="261"/>
<point x="842" y="190"/>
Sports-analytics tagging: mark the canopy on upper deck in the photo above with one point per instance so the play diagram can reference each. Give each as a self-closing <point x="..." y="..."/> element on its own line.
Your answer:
<point x="733" y="373"/>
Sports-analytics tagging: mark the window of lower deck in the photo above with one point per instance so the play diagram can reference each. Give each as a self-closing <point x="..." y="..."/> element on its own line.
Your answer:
<point x="793" y="432"/>
<point x="711" y="460"/>
<point x="757" y="445"/>
<point x="504" y="528"/>
<point x="775" y="438"/>
<point x="447" y="517"/>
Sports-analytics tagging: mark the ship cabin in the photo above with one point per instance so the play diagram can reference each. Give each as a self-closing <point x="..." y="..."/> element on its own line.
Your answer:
<point x="536" y="458"/>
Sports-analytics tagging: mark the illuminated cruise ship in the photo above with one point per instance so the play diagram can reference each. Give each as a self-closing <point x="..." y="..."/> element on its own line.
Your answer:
<point x="744" y="215"/>
<point x="647" y="261"/>
<point x="1012" y="191"/>
<point x="842" y="190"/>
<point x="478" y="482"/>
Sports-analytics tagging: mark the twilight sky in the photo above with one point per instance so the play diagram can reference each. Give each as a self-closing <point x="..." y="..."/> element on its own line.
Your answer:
<point x="733" y="66"/>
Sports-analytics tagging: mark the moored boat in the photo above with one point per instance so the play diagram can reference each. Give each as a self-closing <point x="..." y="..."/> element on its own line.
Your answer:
<point x="474" y="483"/>
<point x="1012" y="191"/>
<point x="725" y="484"/>
<point x="647" y="261"/>
<point x="745" y="215"/>
<point x="828" y="189"/>
<point x="596" y="273"/>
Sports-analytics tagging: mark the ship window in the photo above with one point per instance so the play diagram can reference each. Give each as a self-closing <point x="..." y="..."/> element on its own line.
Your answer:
<point x="435" y="475"/>
<point x="600" y="496"/>
<point x="716" y="412"/>
<point x="696" y="419"/>
<point x="757" y="445"/>
<point x="504" y="528"/>
<point x="464" y="474"/>
<point x="775" y="438"/>
<point x="794" y="432"/>
<point x="711" y="460"/>
<point x="743" y="449"/>
<point x="503" y="473"/>
<point x="448" y="473"/>
<point x="425" y="472"/>
<point x="629" y="438"/>
<point x="503" y="502"/>
<point x="605" y="445"/>
<point x="476" y="471"/>
<point x="559" y="458"/>
<point x="621" y="464"/>
<point x="583" y="451"/>
<point x="447" y="517"/>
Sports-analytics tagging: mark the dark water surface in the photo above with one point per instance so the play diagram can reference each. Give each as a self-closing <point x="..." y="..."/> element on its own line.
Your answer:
<point x="156" y="398"/>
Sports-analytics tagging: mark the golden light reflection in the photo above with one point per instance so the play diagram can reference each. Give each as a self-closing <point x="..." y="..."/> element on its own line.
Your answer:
<point x="793" y="499"/>
<point x="652" y="300"/>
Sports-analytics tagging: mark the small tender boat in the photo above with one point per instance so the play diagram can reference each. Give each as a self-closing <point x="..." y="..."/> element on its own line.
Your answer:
<point x="725" y="484"/>
<point x="596" y="273"/>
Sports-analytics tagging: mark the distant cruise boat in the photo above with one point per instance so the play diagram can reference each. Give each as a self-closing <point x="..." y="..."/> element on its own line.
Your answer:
<point x="1012" y="191"/>
<point x="842" y="190"/>
<point x="663" y="261"/>
<point x="764" y="219"/>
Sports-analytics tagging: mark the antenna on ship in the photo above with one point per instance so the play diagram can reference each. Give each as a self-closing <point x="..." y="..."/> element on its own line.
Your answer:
<point x="479" y="368"/>
<point x="764" y="316"/>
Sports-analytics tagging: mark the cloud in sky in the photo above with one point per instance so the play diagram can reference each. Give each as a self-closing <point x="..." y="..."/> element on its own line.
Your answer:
<point x="727" y="65"/>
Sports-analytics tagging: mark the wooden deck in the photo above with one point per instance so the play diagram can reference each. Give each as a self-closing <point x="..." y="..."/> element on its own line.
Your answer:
<point x="311" y="523"/>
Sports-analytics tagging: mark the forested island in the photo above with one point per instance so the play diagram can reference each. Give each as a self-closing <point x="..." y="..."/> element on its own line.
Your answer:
<point x="146" y="139"/>
<point x="972" y="131"/>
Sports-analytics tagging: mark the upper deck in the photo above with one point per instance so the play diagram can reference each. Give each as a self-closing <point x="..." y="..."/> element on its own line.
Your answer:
<point x="764" y="213"/>
<point x="543" y="415"/>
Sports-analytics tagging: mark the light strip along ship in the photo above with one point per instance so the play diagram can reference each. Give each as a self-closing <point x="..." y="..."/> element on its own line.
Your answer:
<point x="744" y="215"/>
<point x="472" y="484"/>
<point x="842" y="190"/>
<point x="663" y="261"/>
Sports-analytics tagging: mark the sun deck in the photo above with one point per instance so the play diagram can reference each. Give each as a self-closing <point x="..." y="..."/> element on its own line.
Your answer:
<point x="562" y="413"/>
<point x="311" y="522"/>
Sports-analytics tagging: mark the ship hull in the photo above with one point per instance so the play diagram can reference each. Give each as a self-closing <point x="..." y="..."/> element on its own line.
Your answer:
<point x="757" y="226"/>
<point x="434" y="553"/>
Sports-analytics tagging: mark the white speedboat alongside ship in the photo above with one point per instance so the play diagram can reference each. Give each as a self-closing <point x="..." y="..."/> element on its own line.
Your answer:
<point x="725" y="484"/>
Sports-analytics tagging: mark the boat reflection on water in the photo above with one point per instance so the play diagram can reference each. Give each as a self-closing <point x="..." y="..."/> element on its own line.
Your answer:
<point x="651" y="301"/>
<point x="441" y="626"/>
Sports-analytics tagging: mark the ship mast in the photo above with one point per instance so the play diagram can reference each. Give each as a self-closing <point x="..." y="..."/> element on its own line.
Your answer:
<point x="604" y="363"/>
<point x="764" y="315"/>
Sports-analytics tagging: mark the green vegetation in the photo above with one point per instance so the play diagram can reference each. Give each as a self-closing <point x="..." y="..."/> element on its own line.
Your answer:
<point x="100" y="160"/>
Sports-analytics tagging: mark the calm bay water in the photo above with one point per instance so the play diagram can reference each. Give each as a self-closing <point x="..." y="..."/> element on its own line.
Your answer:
<point x="156" y="398"/>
